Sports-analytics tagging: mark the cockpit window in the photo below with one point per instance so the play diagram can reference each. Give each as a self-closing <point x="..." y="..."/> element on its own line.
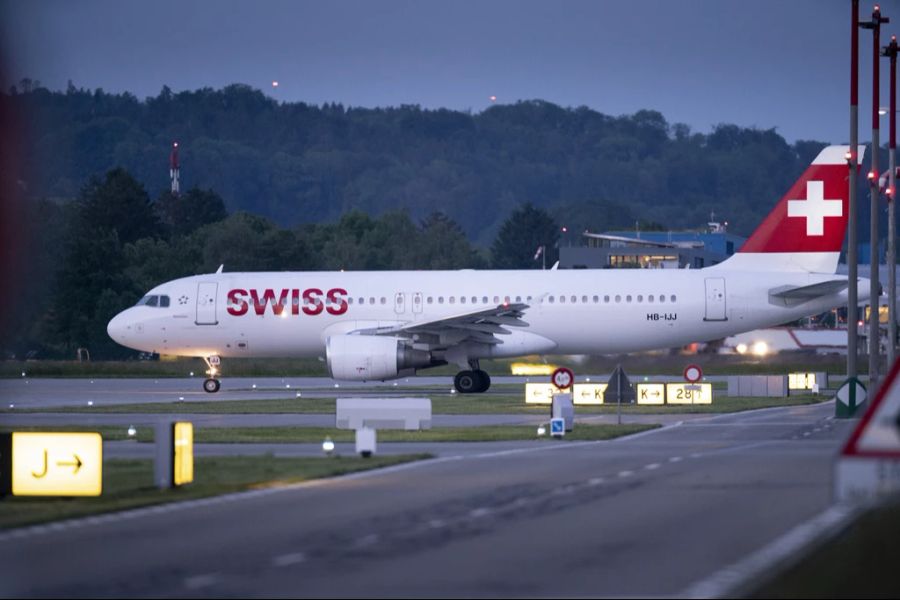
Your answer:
<point x="154" y="300"/>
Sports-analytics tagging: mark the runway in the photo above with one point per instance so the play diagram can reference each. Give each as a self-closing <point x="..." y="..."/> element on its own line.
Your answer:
<point x="647" y="515"/>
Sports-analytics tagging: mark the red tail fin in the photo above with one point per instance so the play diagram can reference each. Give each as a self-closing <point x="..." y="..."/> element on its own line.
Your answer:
<point x="805" y="230"/>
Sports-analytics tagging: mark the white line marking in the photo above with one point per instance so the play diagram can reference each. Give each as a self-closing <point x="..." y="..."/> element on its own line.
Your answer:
<point x="436" y="523"/>
<point x="778" y="554"/>
<point x="675" y="459"/>
<point x="286" y="560"/>
<point x="651" y="466"/>
<point x="595" y="481"/>
<point x="366" y="541"/>
<point x="626" y="473"/>
<point x="477" y="513"/>
<point x="696" y="455"/>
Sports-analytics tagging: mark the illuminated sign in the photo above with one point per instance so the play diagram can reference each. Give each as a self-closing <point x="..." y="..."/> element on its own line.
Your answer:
<point x="55" y="464"/>
<point x="183" y="441"/>
<point x="650" y="393"/>
<point x="586" y="394"/>
<point x="539" y="393"/>
<point x="802" y="381"/>
<point x="518" y="368"/>
<point x="689" y="393"/>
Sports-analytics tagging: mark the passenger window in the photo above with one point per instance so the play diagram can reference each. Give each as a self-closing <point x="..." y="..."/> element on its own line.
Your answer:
<point x="496" y="299"/>
<point x="618" y="298"/>
<point x="383" y="300"/>
<point x="596" y="299"/>
<point x="662" y="298"/>
<point x="650" y="298"/>
<point x="484" y="300"/>
<point x="440" y="299"/>
<point x="518" y="298"/>
<point x="474" y="299"/>
<point x="640" y="298"/>
<point x="584" y="299"/>
<point x="452" y="299"/>
<point x="371" y="300"/>
<point x="349" y="300"/>
<point x="574" y="299"/>
<point x="430" y="300"/>
<point x="606" y="299"/>
<point x="672" y="297"/>
<point x="628" y="298"/>
<point x="462" y="299"/>
<point x="562" y="299"/>
<point x="552" y="299"/>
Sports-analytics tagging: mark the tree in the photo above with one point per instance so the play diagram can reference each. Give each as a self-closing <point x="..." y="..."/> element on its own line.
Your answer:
<point x="184" y="214"/>
<point x="119" y="203"/>
<point x="526" y="230"/>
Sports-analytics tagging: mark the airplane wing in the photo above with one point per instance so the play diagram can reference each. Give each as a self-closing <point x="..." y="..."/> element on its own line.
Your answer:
<point x="791" y="295"/>
<point x="479" y="326"/>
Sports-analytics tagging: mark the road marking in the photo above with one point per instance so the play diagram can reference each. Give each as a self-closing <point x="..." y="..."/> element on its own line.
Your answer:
<point x="651" y="466"/>
<point x="477" y="513"/>
<point x="626" y="473"/>
<point x="436" y="523"/>
<point x="286" y="560"/>
<point x="778" y="554"/>
<point x="595" y="481"/>
<point x="675" y="459"/>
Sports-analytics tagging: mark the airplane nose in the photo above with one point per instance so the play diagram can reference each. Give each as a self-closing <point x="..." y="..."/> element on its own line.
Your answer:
<point x="117" y="327"/>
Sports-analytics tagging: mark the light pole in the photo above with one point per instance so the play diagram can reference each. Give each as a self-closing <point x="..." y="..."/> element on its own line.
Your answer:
<point x="853" y="165"/>
<point x="891" y="51"/>
<point x="874" y="287"/>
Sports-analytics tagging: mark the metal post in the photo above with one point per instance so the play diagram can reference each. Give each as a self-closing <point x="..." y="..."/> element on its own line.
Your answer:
<point x="853" y="164"/>
<point x="891" y="51"/>
<point x="874" y="325"/>
<point x="619" y="395"/>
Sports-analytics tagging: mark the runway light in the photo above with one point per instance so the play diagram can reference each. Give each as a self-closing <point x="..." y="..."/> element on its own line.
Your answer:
<point x="741" y="348"/>
<point x="337" y="385"/>
<point x="254" y="386"/>
<point x="192" y="373"/>
<point x="328" y="446"/>
<point x="541" y="430"/>
<point x="23" y="373"/>
<point x="760" y="348"/>
<point x="287" y="385"/>
<point x="298" y="394"/>
<point x="452" y="390"/>
<point x="181" y="398"/>
<point x="871" y="175"/>
<point x="90" y="402"/>
<point x="275" y="84"/>
<point x="131" y="431"/>
<point x="493" y="98"/>
<point x="12" y="405"/>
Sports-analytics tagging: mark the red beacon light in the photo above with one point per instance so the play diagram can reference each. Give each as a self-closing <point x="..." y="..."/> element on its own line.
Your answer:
<point x="871" y="175"/>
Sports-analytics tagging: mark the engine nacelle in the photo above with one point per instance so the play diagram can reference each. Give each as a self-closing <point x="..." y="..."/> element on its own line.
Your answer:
<point x="372" y="357"/>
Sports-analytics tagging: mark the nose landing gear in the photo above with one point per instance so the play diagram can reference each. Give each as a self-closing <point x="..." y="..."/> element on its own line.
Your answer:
<point x="211" y="384"/>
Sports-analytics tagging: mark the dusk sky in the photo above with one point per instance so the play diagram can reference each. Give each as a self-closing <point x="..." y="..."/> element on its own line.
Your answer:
<point x="763" y="63"/>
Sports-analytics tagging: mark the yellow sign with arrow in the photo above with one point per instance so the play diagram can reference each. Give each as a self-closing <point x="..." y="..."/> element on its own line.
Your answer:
<point x="56" y="464"/>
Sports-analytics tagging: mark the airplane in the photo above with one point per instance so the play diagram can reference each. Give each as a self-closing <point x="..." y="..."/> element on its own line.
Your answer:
<point x="377" y="326"/>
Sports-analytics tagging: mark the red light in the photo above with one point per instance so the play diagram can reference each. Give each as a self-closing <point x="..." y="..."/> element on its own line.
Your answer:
<point x="848" y="155"/>
<point x="871" y="175"/>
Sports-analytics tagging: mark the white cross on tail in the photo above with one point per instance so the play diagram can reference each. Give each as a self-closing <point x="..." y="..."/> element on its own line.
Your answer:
<point x="815" y="208"/>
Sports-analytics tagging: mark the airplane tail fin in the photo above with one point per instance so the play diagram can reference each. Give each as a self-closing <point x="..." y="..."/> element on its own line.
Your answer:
<point x="805" y="230"/>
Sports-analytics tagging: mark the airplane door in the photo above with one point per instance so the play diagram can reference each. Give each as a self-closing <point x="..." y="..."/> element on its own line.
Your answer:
<point x="715" y="299"/>
<point x="206" y="303"/>
<point x="417" y="303"/>
<point x="400" y="303"/>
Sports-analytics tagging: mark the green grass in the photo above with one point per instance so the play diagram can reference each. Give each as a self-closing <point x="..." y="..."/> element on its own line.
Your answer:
<point x="129" y="484"/>
<point x="861" y="562"/>
<point x="441" y="404"/>
<point x="315" y="435"/>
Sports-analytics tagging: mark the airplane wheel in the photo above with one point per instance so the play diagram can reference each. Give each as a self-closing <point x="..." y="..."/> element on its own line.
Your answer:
<point x="485" y="380"/>
<point x="211" y="386"/>
<point x="467" y="382"/>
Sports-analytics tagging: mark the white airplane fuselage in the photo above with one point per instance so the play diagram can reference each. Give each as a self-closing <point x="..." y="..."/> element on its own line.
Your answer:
<point x="568" y="311"/>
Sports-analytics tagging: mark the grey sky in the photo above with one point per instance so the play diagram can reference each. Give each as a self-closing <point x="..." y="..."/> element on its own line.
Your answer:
<point x="763" y="63"/>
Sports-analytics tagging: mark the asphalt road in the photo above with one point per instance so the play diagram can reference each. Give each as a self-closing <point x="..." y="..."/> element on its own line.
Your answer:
<point x="648" y="515"/>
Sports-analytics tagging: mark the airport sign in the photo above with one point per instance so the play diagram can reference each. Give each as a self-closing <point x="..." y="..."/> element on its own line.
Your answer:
<point x="539" y="393"/>
<point x="558" y="427"/>
<point x="563" y="378"/>
<point x="587" y="394"/>
<point x="693" y="373"/>
<point x="689" y="393"/>
<point x="650" y="393"/>
<point x="869" y="464"/>
<point x="52" y="463"/>
<point x="183" y="449"/>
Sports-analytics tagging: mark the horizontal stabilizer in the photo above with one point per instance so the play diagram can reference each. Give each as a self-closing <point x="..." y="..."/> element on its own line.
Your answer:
<point x="792" y="295"/>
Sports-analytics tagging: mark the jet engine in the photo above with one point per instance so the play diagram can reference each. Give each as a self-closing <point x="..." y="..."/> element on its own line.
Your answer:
<point x="372" y="357"/>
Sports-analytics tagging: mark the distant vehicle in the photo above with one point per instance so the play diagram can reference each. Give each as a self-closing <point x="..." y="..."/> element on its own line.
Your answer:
<point x="384" y="325"/>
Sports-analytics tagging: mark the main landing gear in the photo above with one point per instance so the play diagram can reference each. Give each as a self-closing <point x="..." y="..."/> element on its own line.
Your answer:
<point x="472" y="382"/>
<point x="211" y="384"/>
